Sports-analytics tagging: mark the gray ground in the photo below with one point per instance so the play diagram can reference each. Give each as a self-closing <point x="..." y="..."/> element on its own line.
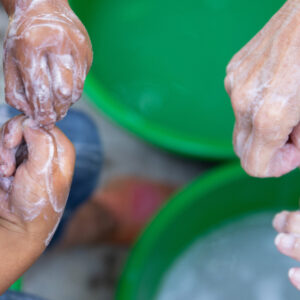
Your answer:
<point x="90" y="273"/>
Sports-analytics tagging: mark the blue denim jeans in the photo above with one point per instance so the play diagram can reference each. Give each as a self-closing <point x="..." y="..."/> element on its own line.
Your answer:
<point x="83" y="133"/>
<point x="9" y="295"/>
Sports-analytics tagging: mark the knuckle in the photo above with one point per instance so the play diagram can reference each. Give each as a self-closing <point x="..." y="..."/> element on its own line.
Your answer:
<point x="64" y="91"/>
<point x="272" y="113"/>
<point x="81" y="38"/>
<point x="239" y="102"/>
<point x="267" y="118"/>
<point x="230" y="66"/>
<point x="228" y="83"/>
<point x="261" y="123"/>
<point x="233" y="63"/>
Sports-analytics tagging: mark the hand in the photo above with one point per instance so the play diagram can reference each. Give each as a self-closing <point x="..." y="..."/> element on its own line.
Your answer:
<point x="263" y="83"/>
<point x="36" y="169"/>
<point x="288" y="240"/>
<point x="47" y="55"/>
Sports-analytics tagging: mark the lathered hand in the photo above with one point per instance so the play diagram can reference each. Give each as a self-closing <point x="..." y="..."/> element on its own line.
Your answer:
<point x="263" y="81"/>
<point x="47" y="55"/>
<point x="36" y="169"/>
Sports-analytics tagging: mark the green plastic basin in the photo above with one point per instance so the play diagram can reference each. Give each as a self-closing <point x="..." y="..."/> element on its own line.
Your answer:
<point x="216" y="198"/>
<point x="159" y="66"/>
<point x="17" y="286"/>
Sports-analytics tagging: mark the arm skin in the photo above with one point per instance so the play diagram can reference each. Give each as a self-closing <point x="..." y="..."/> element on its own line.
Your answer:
<point x="33" y="193"/>
<point x="47" y="55"/>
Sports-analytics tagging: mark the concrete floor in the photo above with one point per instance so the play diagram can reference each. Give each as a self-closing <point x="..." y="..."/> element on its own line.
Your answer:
<point x="91" y="273"/>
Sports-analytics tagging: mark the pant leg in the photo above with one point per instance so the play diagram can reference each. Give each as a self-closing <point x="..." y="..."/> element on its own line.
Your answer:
<point x="10" y="295"/>
<point x="83" y="133"/>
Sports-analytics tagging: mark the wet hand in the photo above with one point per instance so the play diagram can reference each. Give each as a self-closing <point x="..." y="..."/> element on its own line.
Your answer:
<point x="36" y="169"/>
<point x="263" y="84"/>
<point x="47" y="55"/>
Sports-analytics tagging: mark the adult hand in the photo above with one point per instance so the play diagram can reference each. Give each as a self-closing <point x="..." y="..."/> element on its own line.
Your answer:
<point x="47" y="55"/>
<point x="36" y="169"/>
<point x="263" y="83"/>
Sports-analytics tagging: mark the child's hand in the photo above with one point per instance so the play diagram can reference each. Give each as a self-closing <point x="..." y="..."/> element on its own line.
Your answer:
<point x="34" y="186"/>
<point x="288" y="239"/>
<point x="47" y="55"/>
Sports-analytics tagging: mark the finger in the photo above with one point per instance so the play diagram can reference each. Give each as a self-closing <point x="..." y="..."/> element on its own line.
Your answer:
<point x="288" y="244"/>
<point x="80" y="71"/>
<point x="61" y="69"/>
<point x="14" y="89"/>
<point x="273" y="152"/>
<point x="13" y="132"/>
<point x="36" y="77"/>
<point x="287" y="222"/>
<point x="263" y="159"/>
<point x="65" y="153"/>
<point x="57" y="154"/>
<point x="81" y="67"/>
<point x="240" y="137"/>
<point x="280" y="220"/>
<point x="40" y="168"/>
<point x="41" y="148"/>
<point x="11" y="137"/>
<point x="6" y="183"/>
<point x="284" y="161"/>
<point x="65" y="168"/>
<point x="268" y="149"/>
<point x="7" y="161"/>
<point x="294" y="275"/>
<point x="228" y="83"/>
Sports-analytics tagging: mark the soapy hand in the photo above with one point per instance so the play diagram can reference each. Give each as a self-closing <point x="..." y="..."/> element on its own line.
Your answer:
<point x="47" y="55"/>
<point x="36" y="169"/>
<point x="288" y="240"/>
<point x="263" y="81"/>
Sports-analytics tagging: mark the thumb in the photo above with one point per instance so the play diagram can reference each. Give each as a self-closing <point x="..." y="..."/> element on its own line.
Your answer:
<point x="287" y="157"/>
<point x="40" y="145"/>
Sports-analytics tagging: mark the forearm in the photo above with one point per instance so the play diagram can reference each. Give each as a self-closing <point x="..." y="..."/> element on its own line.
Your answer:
<point x="22" y="241"/>
<point x="10" y="5"/>
<point x="18" y="251"/>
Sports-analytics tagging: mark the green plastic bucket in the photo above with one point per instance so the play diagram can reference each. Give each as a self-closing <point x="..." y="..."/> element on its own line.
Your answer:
<point x="159" y="66"/>
<point x="17" y="286"/>
<point x="216" y="198"/>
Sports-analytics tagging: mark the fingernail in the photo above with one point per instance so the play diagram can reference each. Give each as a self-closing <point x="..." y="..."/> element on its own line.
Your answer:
<point x="285" y="241"/>
<point x="295" y="274"/>
<point x="280" y="220"/>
